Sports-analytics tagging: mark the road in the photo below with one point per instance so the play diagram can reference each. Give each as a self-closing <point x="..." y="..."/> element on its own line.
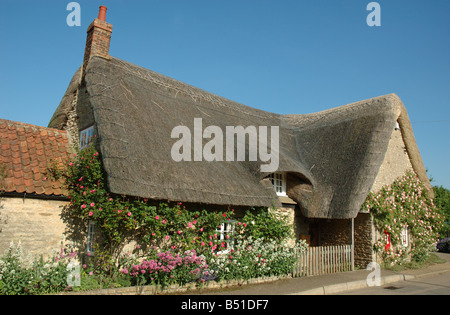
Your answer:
<point x="430" y="285"/>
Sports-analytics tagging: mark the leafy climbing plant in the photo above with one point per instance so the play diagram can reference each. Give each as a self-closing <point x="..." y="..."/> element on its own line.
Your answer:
<point x="405" y="203"/>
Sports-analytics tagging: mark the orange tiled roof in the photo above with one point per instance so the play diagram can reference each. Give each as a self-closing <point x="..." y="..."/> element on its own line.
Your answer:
<point x="26" y="152"/>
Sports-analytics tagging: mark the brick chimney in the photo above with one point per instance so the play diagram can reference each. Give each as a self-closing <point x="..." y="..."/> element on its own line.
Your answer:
<point x="98" y="39"/>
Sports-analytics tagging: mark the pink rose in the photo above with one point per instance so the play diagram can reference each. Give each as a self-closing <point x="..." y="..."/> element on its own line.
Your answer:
<point x="91" y="214"/>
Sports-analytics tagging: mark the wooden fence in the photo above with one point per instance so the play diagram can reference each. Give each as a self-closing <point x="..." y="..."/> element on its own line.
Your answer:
<point x="323" y="260"/>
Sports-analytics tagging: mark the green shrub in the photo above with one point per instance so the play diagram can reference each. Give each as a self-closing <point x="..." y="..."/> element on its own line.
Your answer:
<point x="18" y="277"/>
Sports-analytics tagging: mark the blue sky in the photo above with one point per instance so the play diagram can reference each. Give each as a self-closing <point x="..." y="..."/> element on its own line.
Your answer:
<point x="285" y="56"/>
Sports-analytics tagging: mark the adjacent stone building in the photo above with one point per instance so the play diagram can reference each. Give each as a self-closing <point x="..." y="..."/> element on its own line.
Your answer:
<point x="30" y="202"/>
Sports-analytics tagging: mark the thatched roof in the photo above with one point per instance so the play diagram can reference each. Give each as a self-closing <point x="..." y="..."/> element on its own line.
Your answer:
<point x="333" y="156"/>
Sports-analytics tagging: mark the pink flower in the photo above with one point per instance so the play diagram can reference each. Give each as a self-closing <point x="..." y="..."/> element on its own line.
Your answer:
<point x="91" y="214"/>
<point x="83" y="206"/>
<point x="179" y="232"/>
<point x="119" y="211"/>
<point x="70" y="164"/>
<point x="157" y="217"/>
<point x="203" y="243"/>
<point x="81" y="178"/>
<point x="153" y="234"/>
<point x="224" y="215"/>
<point x="92" y="204"/>
<point x="167" y="237"/>
<point x="129" y="214"/>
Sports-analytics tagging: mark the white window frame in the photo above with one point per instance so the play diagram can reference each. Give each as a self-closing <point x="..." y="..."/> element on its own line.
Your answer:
<point x="278" y="180"/>
<point x="90" y="237"/>
<point x="227" y="228"/>
<point x="85" y="136"/>
<point x="404" y="237"/>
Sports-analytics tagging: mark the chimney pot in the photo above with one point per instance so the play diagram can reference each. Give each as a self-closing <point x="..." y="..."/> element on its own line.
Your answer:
<point x="102" y="13"/>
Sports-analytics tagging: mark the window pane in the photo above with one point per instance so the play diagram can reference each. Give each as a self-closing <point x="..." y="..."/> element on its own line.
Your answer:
<point x="86" y="136"/>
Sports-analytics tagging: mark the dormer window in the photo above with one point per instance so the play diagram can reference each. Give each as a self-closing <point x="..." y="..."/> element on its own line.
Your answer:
<point x="86" y="136"/>
<point x="279" y="183"/>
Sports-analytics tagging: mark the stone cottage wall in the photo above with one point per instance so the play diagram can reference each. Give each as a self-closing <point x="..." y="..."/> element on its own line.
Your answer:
<point x="364" y="240"/>
<point x="395" y="164"/>
<point x="36" y="223"/>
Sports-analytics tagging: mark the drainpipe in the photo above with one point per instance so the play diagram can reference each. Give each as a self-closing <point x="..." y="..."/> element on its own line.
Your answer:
<point x="353" y="244"/>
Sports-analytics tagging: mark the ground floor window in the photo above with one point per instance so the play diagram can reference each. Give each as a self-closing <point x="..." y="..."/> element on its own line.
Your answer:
<point x="404" y="236"/>
<point x="90" y="237"/>
<point x="226" y="234"/>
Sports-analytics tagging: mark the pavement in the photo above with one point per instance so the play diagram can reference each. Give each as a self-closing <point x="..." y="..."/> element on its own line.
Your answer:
<point x="332" y="283"/>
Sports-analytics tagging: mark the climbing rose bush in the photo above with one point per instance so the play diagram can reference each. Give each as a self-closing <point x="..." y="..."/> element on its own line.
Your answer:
<point x="406" y="202"/>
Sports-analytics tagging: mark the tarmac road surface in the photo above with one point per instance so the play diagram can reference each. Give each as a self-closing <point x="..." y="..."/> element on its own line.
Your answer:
<point x="429" y="285"/>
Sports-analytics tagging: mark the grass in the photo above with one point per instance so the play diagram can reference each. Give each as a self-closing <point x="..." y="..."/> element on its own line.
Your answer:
<point x="432" y="259"/>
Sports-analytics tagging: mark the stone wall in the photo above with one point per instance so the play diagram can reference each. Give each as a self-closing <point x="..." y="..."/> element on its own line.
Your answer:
<point x="364" y="240"/>
<point x="177" y="289"/>
<point x="334" y="232"/>
<point x="395" y="164"/>
<point x="36" y="223"/>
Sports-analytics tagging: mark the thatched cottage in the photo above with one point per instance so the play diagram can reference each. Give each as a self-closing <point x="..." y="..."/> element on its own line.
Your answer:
<point x="328" y="162"/>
